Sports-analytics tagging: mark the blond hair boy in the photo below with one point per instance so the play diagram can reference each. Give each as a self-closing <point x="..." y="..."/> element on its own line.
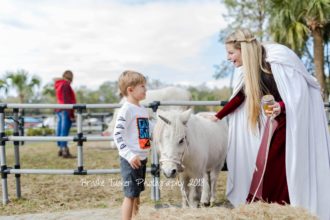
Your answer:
<point x="131" y="136"/>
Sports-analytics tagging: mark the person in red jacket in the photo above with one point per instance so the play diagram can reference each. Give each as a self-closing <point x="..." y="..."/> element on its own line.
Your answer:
<point x="64" y="95"/>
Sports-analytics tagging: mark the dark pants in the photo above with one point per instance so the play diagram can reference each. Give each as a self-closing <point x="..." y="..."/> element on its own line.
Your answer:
<point x="63" y="127"/>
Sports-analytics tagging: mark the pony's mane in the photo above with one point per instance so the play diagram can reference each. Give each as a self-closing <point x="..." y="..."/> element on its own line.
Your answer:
<point x="176" y="123"/>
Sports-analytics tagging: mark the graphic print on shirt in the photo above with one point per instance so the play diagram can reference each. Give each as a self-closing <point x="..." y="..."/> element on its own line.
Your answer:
<point x="120" y="126"/>
<point x="121" y="118"/>
<point x="143" y="129"/>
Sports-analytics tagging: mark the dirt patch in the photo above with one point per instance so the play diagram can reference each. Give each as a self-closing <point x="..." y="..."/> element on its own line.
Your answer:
<point x="255" y="211"/>
<point x="95" y="214"/>
<point x="56" y="193"/>
<point x="100" y="196"/>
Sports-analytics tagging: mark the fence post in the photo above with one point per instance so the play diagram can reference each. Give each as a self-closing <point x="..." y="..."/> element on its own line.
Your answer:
<point x="327" y="107"/>
<point x="103" y="123"/>
<point x="155" y="192"/>
<point x="22" y="125"/>
<point x="3" y="140"/>
<point x="80" y="139"/>
<point x="17" y="155"/>
<point x="89" y="123"/>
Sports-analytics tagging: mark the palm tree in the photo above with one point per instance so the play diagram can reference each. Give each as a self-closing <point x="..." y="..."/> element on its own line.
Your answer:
<point x="48" y="94"/>
<point x="287" y="24"/>
<point x="317" y="17"/>
<point x="293" y="21"/>
<point x="3" y="85"/>
<point x="326" y="38"/>
<point x="22" y="83"/>
<point x="49" y="90"/>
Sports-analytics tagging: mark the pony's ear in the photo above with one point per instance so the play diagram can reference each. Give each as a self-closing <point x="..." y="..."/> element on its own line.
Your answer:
<point x="184" y="117"/>
<point x="164" y="119"/>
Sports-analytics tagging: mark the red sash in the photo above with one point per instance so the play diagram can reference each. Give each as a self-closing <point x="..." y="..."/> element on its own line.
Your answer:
<point x="258" y="175"/>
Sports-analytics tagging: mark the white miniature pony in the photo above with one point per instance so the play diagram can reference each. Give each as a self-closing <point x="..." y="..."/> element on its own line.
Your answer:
<point x="195" y="147"/>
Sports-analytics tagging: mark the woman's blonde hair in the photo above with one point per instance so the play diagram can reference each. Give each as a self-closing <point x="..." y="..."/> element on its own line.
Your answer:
<point x="253" y="60"/>
<point x="130" y="78"/>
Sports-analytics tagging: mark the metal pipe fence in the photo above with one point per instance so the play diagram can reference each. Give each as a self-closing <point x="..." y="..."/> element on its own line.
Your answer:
<point x="80" y="138"/>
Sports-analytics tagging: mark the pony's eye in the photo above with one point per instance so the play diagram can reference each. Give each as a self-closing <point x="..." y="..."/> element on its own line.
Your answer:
<point x="181" y="141"/>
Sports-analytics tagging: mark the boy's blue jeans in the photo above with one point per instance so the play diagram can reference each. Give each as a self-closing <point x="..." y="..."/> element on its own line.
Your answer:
<point x="63" y="127"/>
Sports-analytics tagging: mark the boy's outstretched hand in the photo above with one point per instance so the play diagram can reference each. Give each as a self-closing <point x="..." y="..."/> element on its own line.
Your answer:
<point x="135" y="162"/>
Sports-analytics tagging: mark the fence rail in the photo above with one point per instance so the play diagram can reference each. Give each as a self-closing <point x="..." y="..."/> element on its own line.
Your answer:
<point x="80" y="138"/>
<point x="56" y="138"/>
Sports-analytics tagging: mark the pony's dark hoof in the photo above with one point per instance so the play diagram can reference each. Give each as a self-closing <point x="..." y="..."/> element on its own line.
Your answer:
<point x="204" y="204"/>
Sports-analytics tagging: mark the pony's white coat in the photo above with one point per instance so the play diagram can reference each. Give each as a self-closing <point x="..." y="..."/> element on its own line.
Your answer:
<point x="194" y="146"/>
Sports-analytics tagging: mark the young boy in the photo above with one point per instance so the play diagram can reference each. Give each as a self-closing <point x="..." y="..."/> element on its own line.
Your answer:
<point x="131" y="136"/>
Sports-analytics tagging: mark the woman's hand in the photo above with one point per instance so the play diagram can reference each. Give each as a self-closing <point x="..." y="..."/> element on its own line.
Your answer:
<point x="211" y="117"/>
<point x="273" y="110"/>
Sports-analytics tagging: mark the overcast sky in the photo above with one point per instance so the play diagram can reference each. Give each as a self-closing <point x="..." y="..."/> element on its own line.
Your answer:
<point x="172" y="41"/>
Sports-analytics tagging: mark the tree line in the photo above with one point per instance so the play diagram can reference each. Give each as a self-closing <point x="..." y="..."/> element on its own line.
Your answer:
<point x="28" y="89"/>
<point x="302" y="25"/>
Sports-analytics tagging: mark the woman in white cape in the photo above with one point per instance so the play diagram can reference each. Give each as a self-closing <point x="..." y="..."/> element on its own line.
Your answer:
<point x="297" y="166"/>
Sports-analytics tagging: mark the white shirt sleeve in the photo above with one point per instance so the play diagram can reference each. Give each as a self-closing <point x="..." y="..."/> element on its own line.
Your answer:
<point x="123" y="119"/>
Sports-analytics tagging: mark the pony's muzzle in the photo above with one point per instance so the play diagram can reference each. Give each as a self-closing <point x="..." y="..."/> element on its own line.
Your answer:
<point x="169" y="169"/>
<point x="170" y="173"/>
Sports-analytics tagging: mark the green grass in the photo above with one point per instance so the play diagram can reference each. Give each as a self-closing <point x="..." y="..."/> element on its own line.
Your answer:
<point x="49" y="193"/>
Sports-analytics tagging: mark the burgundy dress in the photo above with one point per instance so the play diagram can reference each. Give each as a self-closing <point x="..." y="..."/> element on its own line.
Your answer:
<point x="275" y="188"/>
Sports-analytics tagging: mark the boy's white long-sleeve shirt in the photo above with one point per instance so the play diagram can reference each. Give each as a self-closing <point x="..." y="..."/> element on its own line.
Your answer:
<point x="131" y="133"/>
